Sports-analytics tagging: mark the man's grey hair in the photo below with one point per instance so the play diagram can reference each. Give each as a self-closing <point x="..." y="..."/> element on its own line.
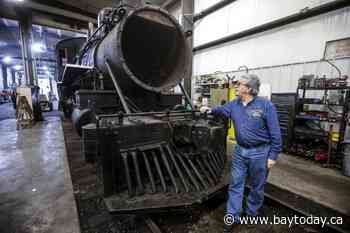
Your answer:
<point x="253" y="82"/>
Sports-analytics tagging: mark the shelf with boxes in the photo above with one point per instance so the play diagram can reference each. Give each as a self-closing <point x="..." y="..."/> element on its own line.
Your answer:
<point x="314" y="82"/>
<point x="211" y="89"/>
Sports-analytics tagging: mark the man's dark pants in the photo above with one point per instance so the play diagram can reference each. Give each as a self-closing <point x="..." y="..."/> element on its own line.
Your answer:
<point x="250" y="163"/>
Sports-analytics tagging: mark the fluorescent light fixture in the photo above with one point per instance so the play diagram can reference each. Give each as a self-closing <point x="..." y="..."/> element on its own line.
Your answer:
<point x="38" y="48"/>
<point x="17" y="0"/>
<point x="48" y="72"/>
<point x="17" y="67"/>
<point x="45" y="68"/>
<point x="7" y="59"/>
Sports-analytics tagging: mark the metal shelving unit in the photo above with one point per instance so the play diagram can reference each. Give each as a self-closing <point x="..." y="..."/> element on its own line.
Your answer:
<point x="341" y="119"/>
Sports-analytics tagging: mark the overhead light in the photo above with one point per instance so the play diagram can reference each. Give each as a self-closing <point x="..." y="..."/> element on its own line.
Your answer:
<point x="38" y="48"/>
<point x="3" y="43"/>
<point x="48" y="72"/>
<point x="7" y="59"/>
<point x="17" y="0"/>
<point x="17" y="67"/>
<point x="45" y="68"/>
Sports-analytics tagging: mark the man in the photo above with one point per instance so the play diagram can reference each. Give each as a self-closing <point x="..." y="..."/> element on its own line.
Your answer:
<point x="258" y="138"/>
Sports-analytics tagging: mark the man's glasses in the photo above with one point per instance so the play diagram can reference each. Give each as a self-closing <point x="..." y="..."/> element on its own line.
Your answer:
<point x="239" y="84"/>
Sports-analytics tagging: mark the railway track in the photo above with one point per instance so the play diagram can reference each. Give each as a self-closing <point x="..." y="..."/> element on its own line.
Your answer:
<point x="94" y="216"/>
<point x="209" y="218"/>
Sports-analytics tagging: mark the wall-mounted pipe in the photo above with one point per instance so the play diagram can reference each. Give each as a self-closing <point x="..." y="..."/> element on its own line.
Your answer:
<point x="212" y="9"/>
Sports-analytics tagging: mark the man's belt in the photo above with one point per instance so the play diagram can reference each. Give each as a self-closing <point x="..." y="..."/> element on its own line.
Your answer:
<point x="245" y="146"/>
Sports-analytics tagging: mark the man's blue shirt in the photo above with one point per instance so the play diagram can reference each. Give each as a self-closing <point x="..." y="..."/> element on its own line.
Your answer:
<point x="255" y="124"/>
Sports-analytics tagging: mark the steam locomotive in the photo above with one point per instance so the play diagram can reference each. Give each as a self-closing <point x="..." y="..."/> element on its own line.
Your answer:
<point x="151" y="150"/>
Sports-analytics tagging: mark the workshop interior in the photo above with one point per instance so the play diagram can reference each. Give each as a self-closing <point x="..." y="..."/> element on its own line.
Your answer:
<point x="102" y="127"/>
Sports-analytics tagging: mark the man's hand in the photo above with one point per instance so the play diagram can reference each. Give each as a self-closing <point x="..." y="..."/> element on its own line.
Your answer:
<point x="270" y="163"/>
<point x="205" y="109"/>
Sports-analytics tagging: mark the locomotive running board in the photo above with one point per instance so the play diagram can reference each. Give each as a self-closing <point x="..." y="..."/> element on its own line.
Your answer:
<point x="71" y="71"/>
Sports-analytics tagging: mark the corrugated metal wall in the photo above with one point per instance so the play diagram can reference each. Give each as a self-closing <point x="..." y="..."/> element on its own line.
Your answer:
<point x="244" y="14"/>
<point x="285" y="78"/>
<point x="300" y="42"/>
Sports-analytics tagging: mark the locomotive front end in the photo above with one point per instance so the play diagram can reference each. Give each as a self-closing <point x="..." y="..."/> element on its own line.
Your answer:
<point x="152" y="152"/>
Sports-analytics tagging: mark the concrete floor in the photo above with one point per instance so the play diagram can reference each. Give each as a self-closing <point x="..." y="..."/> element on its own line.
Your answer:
<point x="305" y="178"/>
<point x="7" y="111"/>
<point x="36" y="194"/>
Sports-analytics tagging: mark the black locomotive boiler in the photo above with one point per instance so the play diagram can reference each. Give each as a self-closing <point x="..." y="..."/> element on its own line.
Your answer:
<point x="151" y="150"/>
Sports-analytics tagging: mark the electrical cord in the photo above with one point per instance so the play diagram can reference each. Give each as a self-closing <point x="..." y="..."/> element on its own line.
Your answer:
<point x="333" y="65"/>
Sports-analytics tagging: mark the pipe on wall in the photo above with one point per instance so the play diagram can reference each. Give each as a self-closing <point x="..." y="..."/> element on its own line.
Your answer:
<point x="212" y="9"/>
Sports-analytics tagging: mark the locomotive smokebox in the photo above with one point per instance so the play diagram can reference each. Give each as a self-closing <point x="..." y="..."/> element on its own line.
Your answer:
<point x="147" y="49"/>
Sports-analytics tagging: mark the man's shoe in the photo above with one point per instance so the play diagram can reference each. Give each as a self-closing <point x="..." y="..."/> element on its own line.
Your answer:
<point x="247" y="217"/>
<point x="229" y="228"/>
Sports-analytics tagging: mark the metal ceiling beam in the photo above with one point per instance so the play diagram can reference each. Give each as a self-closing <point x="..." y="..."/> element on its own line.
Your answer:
<point x="319" y="10"/>
<point x="70" y="8"/>
<point x="46" y="8"/>
<point x="6" y="11"/>
<point x="16" y="49"/>
<point x="212" y="9"/>
<point x="47" y="22"/>
<point x="46" y="19"/>
<point x="36" y="59"/>
<point x="15" y="29"/>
